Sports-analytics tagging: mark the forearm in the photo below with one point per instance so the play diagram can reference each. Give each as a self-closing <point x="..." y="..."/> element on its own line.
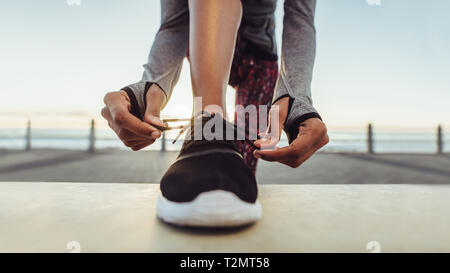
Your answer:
<point x="297" y="62"/>
<point x="166" y="55"/>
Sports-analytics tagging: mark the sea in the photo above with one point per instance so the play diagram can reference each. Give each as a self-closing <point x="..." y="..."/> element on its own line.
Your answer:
<point x="340" y="140"/>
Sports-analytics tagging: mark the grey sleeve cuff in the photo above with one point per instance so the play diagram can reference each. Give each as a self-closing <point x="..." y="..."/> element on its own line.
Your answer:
<point x="136" y="93"/>
<point x="298" y="113"/>
<point x="300" y="103"/>
<point x="300" y="109"/>
<point x="300" y="97"/>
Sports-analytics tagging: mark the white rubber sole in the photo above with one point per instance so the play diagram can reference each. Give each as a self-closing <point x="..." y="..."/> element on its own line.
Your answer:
<point x="217" y="208"/>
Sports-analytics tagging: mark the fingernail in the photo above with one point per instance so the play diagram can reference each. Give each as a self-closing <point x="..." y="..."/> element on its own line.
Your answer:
<point x="156" y="134"/>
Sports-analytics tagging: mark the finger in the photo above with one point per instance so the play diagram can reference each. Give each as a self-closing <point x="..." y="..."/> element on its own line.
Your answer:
<point x="152" y="115"/>
<point x="277" y="117"/>
<point x="105" y="113"/>
<point x="277" y="154"/>
<point x="272" y="135"/>
<point x="126" y="135"/>
<point x="322" y="142"/>
<point x="302" y="148"/>
<point x="134" y="143"/>
<point x="155" y="99"/>
<point x="124" y="119"/>
<point x="123" y="134"/>
<point x="154" y="120"/>
<point x="267" y="142"/>
<point x="295" y="150"/>
<point x="142" y="146"/>
<point x="119" y="105"/>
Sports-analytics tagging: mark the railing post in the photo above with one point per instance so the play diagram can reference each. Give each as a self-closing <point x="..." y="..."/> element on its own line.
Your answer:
<point x="92" y="137"/>
<point x="163" y="142"/>
<point x="370" y="139"/>
<point x="439" y="140"/>
<point x="28" y="136"/>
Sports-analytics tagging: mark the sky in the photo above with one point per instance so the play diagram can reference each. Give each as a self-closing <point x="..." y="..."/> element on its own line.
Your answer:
<point x="388" y="64"/>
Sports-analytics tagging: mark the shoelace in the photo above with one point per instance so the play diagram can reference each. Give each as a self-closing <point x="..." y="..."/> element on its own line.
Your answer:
<point x="183" y="128"/>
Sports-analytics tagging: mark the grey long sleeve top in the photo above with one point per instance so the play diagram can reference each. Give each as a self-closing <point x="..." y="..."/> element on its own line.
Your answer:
<point x="257" y="31"/>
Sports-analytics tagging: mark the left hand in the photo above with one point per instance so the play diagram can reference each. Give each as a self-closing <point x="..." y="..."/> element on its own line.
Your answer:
<point x="311" y="137"/>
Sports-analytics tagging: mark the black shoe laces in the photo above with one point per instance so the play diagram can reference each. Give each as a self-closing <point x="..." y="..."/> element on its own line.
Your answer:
<point x="206" y="117"/>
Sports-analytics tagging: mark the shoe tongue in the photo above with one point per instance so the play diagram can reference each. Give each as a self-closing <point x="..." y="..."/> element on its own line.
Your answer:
<point x="213" y="127"/>
<point x="209" y="132"/>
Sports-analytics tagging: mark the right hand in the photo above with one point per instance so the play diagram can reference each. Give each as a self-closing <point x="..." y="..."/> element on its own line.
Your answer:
<point x="133" y="132"/>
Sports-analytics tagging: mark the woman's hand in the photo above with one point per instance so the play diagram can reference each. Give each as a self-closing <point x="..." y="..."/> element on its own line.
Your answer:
<point x="311" y="137"/>
<point x="133" y="132"/>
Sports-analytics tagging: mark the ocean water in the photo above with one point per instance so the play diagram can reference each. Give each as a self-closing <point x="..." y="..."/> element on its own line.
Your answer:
<point x="340" y="141"/>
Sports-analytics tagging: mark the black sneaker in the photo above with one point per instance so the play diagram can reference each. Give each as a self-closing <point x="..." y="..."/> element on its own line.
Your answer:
<point x="209" y="185"/>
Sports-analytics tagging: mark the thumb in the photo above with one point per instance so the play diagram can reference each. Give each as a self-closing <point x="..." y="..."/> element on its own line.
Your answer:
<point x="155" y="100"/>
<point x="277" y="118"/>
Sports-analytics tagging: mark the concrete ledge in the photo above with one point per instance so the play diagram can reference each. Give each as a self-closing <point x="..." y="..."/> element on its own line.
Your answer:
<point x="45" y="217"/>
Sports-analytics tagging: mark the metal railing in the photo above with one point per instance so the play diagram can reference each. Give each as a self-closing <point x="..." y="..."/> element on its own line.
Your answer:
<point x="370" y="140"/>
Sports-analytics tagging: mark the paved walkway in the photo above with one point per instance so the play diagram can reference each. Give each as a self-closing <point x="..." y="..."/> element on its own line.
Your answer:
<point x="95" y="217"/>
<point x="148" y="166"/>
